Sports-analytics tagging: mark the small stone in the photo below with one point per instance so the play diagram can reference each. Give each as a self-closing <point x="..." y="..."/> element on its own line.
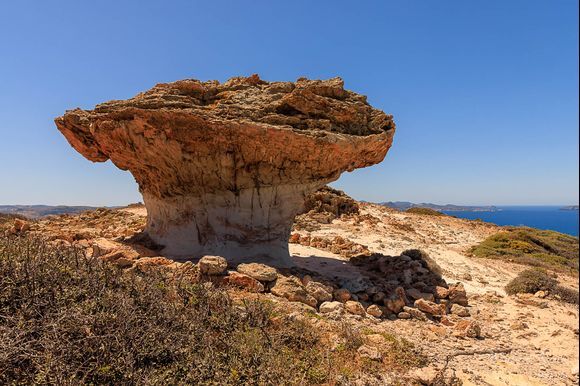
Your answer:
<point x="369" y="352"/>
<point x="375" y="311"/>
<point x="458" y="310"/>
<point x="212" y="265"/>
<point x="328" y="307"/>
<point x="243" y="281"/>
<point x="468" y="328"/>
<point x="416" y="294"/>
<point x="260" y="272"/>
<point x="342" y="295"/>
<point x="354" y="308"/>
<point x="458" y="295"/>
<point x="541" y="294"/>
<point x="415" y="313"/>
<point x="441" y="292"/>
<point x="404" y="315"/>
<point x="294" y="238"/>
<point x="379" y="297"/>
<point x="430" y="307"/>
<point x="397" y="301"/>
<point x="363" y="296"/>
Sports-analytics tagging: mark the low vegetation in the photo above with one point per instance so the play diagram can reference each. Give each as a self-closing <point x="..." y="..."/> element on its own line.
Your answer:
<point x="425" y="211"/>
<point x="534" y="247"/>
<point x="69" y="319"/>
<point x="531" y="281"/>
<point x="9" y="217"/>
<point x="536" y="279"/>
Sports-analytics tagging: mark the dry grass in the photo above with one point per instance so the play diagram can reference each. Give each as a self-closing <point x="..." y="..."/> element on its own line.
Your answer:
<point x="69" y="319"/>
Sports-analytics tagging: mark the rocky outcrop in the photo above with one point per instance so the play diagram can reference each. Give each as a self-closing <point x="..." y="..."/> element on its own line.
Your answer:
<point x="224" y="168"/>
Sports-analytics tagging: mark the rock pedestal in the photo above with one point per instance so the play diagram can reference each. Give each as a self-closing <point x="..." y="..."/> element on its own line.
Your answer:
<point x="224" y="168"/>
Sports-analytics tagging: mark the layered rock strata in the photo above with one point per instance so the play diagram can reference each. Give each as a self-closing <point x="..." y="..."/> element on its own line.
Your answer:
<point x="224" y="167"/>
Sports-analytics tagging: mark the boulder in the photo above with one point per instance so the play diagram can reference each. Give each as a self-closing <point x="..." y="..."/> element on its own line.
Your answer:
<point x="258" y="271"/>
<point x="375" y="311"/>
<point x="224" y="167"/>
<point x="328" y="307"/>
<point x="292" y="289"/>
<point x="430" y="308"/>
<point x="458" y="310"/>
<point x="212" y="265"/>
<point x="354" y="308"/>
<point x="243" y="281"/>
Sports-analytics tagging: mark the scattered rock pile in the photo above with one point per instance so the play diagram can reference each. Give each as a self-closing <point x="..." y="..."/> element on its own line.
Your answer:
<point x="338" y="245"/>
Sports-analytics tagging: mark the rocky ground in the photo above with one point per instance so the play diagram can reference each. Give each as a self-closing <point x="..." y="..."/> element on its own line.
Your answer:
<point x="363" y="267"/>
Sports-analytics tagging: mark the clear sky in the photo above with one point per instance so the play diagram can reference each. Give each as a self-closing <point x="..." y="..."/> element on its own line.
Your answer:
<point x="484" y="93"/>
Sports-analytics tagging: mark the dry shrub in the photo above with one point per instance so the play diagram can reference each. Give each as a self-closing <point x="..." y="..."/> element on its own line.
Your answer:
<point x="531" y="281"/>
<point x="69" y="319"/>
<point x="568" y="295"/>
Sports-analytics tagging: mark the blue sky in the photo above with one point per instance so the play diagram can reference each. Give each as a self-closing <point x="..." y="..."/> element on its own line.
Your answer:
<point x="484" y="93"/>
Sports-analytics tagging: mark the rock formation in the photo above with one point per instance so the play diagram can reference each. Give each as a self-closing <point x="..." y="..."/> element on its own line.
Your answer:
<point x="224" y="168"/>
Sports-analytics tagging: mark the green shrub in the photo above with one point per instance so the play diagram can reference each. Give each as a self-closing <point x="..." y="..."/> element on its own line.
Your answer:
<point x="425" y="211"/>
<point x="532" y="247"/>
<point x="531" y="281"/>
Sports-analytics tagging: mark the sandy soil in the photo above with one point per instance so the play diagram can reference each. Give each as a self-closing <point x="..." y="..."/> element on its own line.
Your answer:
<point x="543" y="340"/>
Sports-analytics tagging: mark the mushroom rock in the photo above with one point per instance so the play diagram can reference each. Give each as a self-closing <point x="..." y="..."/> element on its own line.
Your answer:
<point x="224" y="167"/>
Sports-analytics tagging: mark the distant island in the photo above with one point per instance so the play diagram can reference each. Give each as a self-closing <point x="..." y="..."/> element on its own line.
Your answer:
<point x="404" y="205"/>
<point x="37" y="211"/>
<point x="570" y="207"/>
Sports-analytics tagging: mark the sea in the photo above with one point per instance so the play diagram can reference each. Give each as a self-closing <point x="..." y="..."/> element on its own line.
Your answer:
<point x="541" y="217"/>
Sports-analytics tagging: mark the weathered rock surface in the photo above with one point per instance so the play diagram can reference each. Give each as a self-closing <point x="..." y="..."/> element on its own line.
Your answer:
<point x="292" y="289"/>
<point x="212" y="265"/>
<point x="258" y="271"/>
<point x="224" y="168"/>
